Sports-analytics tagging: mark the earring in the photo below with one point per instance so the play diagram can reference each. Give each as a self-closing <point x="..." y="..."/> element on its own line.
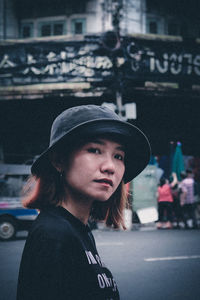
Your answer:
<point x="61" y="175"/>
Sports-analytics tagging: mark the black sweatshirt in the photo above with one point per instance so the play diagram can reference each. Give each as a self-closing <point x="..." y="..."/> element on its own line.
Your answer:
<point x="60" y="261"/>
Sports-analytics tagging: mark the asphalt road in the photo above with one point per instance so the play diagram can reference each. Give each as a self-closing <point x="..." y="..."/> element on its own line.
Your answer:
<point x="148" y="264"/>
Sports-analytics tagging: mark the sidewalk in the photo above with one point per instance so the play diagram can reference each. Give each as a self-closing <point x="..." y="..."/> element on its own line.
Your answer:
<point x="144" y="227"/>
<point x="135" y="226"/>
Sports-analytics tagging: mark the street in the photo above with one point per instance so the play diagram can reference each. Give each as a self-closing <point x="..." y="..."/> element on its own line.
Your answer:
<point x="147" y="264"/>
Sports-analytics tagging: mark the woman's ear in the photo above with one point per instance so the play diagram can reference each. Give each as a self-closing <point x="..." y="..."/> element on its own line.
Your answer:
<point x="56" y="160"/>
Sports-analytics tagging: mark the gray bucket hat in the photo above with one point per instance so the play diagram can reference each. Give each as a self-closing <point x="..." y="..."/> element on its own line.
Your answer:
<point x="90" y="121"/>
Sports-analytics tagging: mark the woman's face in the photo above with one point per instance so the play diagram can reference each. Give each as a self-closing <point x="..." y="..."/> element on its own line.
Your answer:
<point x="94" y="170"/>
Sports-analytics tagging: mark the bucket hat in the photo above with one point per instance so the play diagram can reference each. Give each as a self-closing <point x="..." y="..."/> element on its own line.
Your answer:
<point x="90" y="121"/>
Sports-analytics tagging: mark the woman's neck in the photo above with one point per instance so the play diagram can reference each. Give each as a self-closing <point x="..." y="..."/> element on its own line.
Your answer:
<point x="79" y="208"/>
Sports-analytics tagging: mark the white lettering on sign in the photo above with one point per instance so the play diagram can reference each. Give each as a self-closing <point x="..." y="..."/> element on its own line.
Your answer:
<point x="6" y="62"/>
<point x="81" y="63"/>
<point x="188" y="58"/>
<point x="163" y="65"/>
<point x="56" y="65"/>
<point x="174" y="63"/>
<point x="31" y="61"/>
<point x="197" y="65"/>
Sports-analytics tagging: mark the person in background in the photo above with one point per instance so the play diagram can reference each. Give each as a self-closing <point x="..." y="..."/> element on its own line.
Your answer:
<point x="188" y="199"/>
<point x="176" y="207"/>
<point x="91" y="156"/>
<point x="182" y="192"/>
<point x="165" y="200"/>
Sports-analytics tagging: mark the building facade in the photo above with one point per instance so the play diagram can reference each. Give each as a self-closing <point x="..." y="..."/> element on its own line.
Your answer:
<point x="24" y="19"/>
<point x="53" y="56"/>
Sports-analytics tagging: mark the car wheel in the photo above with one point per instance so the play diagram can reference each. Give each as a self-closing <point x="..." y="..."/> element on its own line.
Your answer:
<point x="8" y="228"/>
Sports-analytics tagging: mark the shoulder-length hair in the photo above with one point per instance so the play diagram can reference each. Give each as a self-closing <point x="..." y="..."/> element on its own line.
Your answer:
<point x="47" y="189"/>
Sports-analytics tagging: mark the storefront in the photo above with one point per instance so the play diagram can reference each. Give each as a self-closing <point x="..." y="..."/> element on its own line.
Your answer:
<point x="39" y="79"/>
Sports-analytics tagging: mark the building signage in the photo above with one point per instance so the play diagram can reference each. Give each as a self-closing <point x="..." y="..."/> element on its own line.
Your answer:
<point x="48" y="62"/>
<point x="163" y="60"/>
<point x="88" y="61"/>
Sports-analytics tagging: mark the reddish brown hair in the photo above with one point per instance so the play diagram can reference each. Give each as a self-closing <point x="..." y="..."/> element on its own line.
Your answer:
<point x="47" y="190"/>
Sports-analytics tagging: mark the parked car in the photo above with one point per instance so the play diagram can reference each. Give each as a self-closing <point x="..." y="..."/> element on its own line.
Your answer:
<point x="13" y="216"/>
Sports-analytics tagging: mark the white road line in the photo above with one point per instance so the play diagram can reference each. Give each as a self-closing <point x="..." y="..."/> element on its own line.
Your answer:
<point x="172" y="258"/>
<point x="110" y="244"/>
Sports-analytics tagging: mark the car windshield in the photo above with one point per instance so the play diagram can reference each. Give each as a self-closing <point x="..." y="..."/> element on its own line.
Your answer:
<point x="11" y="186"/>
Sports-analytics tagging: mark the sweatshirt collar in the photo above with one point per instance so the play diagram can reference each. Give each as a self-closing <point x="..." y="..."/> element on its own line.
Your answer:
<point x="74" y="220"/>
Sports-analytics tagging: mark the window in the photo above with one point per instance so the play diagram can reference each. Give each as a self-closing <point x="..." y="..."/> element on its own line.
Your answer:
<point x="78" y="26"/>
<point x="154" y="25"/>
<point x="52" y="28"/>
<point x="58" y="29"/>
<point x="26" y="30"/>
<point x="153" y="28"/>
<point x="46" y="30"/>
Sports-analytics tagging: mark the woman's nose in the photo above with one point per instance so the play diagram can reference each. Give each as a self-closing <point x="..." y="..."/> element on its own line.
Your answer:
<point x="108" y="166"/>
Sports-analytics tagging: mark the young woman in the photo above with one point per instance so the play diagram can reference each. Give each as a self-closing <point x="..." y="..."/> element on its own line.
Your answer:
<point x="82" y="174"/>
<point x="165" y="200"/>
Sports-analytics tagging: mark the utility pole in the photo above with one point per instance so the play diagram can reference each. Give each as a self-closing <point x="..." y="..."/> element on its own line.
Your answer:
<point x="112" y="41"/>
<point x="103" y="15"/>
<point x="117" y="6"/>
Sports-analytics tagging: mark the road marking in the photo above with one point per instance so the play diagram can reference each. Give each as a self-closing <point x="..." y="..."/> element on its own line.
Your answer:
<point x="172" y="258"/>
<point x="110" y="244"/>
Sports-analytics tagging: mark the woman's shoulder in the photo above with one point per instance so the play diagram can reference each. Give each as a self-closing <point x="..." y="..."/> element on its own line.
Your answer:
<point x="50" y="224"/>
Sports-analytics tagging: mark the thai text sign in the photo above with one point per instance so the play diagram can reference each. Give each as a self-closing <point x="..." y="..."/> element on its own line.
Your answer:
<point x="163" y="60"/>
<point x="88" y="61"/>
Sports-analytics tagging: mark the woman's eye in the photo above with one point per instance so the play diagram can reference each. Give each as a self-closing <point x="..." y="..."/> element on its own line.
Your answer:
<point x="120" y="157"/>
<point x="94" y="150"/>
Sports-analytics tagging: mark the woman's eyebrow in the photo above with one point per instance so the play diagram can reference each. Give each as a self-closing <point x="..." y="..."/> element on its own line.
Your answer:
<point x="121" y="148"/>
<point x="96" y="141"/>
<point x="100" y="142"/>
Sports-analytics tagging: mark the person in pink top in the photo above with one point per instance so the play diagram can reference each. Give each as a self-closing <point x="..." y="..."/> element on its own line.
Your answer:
<point x="165" y="201"/>
<point x="188" y="199"/>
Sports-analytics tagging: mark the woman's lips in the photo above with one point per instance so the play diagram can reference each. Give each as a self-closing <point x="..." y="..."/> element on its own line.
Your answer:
<point x="104" y="181"/>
